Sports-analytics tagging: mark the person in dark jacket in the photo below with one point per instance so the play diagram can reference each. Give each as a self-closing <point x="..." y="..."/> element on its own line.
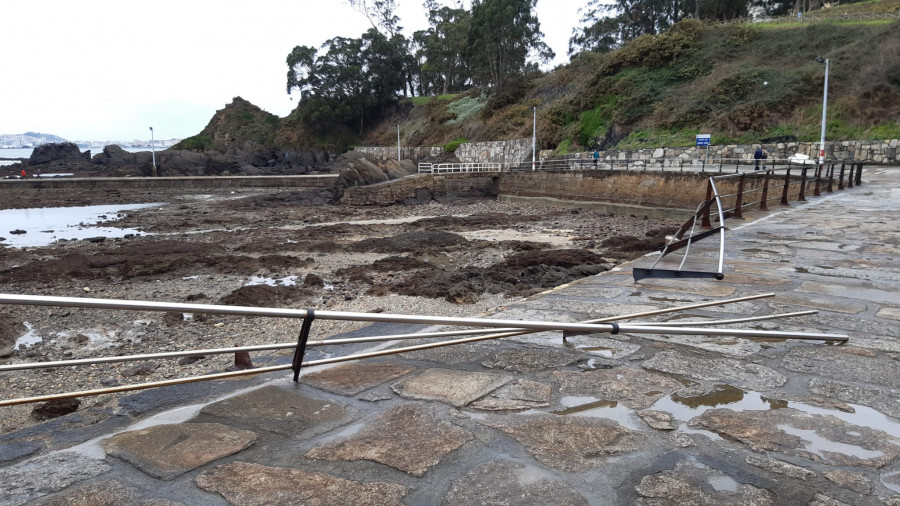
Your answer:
<point x="757" y="155"/>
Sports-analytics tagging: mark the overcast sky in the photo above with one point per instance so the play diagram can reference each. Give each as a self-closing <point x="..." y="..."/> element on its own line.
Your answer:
<point x="110" y="69"/>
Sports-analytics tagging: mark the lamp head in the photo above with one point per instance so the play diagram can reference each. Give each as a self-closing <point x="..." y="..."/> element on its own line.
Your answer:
<point x="820" y="59"/>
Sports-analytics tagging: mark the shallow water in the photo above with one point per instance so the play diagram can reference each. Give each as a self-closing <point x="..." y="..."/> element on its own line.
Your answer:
<point x="43" y="226"/>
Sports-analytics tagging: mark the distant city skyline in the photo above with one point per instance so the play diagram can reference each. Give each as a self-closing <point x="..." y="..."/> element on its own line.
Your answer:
<point x="104" y="69"/>
<point x="23" y="140"/>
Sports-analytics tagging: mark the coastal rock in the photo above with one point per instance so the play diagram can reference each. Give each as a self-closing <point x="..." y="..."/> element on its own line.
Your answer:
<point x="58" y="151"/>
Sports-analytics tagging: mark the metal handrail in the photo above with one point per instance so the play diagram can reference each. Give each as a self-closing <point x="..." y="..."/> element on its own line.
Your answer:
<point x="506" y="328"/>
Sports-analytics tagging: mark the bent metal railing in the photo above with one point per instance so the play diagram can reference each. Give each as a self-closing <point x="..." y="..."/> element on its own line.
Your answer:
<point x="819" y="178"/>
<point x="497" y="329"/>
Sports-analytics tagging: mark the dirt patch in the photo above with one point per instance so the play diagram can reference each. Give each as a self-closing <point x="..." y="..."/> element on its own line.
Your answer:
<point x="411" y="241"/>
<point x="267" y="296"/>
<point x="521" y="275"/>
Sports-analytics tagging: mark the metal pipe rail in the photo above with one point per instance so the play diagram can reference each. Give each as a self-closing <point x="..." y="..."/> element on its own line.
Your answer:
<point x="677" y="241"/>
<point x="596" y="326"/>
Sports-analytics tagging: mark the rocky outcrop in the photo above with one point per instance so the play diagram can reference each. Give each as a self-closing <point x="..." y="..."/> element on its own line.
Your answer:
<point x="58" y="151"/>
<point x="357" y="169"/>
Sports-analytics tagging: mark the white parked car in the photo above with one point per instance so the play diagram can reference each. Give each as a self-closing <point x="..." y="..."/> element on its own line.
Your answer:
<point x="802" y="159"/>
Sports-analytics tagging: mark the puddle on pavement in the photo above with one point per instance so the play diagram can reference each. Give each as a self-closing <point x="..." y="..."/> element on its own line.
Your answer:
<point x="45" y="225"/>
<point x="891" y="481"/>
<point x="600" y="350"/>
<point x="819" y="445"/>
<point x="719" y="396"/>
<point x="723" y="483"/>
<point x="735" y="399"/>
<point x="592" y="407"/>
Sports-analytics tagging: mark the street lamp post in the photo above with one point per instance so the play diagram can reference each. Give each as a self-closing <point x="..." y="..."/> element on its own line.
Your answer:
<point x="153" y="151"/>
<point x="824" y="112"/>
<point x="533" y="137"/>
<point x="398" y="143"/>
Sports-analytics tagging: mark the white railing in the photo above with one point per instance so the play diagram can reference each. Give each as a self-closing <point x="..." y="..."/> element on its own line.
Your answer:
<point x="447" y="168"/>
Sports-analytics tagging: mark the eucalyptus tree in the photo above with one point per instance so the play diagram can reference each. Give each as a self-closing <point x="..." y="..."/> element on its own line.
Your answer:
<point x="444" y="45"/>
<point x="501" y="37"/>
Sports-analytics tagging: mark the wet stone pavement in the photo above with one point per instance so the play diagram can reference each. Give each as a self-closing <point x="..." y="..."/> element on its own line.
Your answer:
<point x="534" y="419"/>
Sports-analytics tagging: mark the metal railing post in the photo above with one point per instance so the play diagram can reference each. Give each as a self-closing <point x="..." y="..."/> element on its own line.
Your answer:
<point x="765" y="192"/>
<point x="802" y="196"/>
<point x="739" y="202"/>
<point x="859" y="173"/>
<point x="816" y="192"/>
<point x="706" y="223"/>
<point x="784" y="192"/>
<point x="830" y="176"/>
<point x="841" y="178"/>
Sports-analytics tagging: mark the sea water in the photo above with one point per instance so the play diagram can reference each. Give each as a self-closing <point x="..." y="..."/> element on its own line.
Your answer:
<point x="42" y="226"/>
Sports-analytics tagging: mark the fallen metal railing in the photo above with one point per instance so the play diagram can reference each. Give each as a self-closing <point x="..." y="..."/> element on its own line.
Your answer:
<point x="498" y="329"/>
<point x="678" y="241"/>
<point x="819" y="178"/>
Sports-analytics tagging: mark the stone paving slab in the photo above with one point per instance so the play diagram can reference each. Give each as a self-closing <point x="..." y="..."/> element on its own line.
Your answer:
<point x="352" y="379"/>
<point x="244" y="483"/>
<point x="167" y="451"/>
<point x="285" y="410"/>
<point x="105" y="493"/>
<point x="513" y="483"/>
<point x="409" y="438"/>
<point x="46" y="474"/>
<point x="456" y="388"/>
<point x="565" y="443"/>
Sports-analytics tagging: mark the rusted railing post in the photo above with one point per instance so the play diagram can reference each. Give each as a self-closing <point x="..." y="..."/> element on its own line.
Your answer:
<point x="739" y="201"/>
<point x="841" y="178"/>
<point x="830" y="176"/>
<point x="818" y="181"/>
<point x="706" y="223"/>
<point x="787" y="183"/>
<point x="850" y="176"/>
<point x="802" y="196"/>
<point x="765" y="193"/>
<point x="859" y="174"/>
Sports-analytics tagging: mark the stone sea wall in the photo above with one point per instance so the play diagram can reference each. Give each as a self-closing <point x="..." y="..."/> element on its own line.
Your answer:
<point x="519" y="150"/>
<point x="421" y="189"/>
<point x="857" y="151"/>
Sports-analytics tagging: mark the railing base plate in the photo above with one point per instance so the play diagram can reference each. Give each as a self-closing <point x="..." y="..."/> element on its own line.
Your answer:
<point x="640" y="274"/>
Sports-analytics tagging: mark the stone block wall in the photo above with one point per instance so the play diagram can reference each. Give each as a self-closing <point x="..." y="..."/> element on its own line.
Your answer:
<point x="513" y="151"/>
<point x="412" y="188"/>
<point x="519" y="150"/>
<point x="416" y="154"/>
<point x="860" y="151"/>
<point x="505" y="152"/>
<point x="653" y="189"/>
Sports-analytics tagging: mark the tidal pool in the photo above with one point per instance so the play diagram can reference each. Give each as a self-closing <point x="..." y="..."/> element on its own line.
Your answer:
<point x="42" y="226"/>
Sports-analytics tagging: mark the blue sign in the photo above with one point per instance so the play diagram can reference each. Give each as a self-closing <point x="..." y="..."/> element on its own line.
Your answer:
<point x="703" y="139"/>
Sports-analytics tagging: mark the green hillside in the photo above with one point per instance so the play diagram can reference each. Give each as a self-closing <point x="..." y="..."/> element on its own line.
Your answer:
<point x="739" y="82"/>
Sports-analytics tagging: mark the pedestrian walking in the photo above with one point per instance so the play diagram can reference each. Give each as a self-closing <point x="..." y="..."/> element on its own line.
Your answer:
<point x="757" y="155"/>
<point x="23" y="174"/>
<point x="596" y="157"/>
<point x="765" y="156"/>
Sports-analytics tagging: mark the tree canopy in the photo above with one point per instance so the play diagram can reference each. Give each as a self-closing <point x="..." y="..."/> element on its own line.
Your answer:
<point x="350" y="81"/>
